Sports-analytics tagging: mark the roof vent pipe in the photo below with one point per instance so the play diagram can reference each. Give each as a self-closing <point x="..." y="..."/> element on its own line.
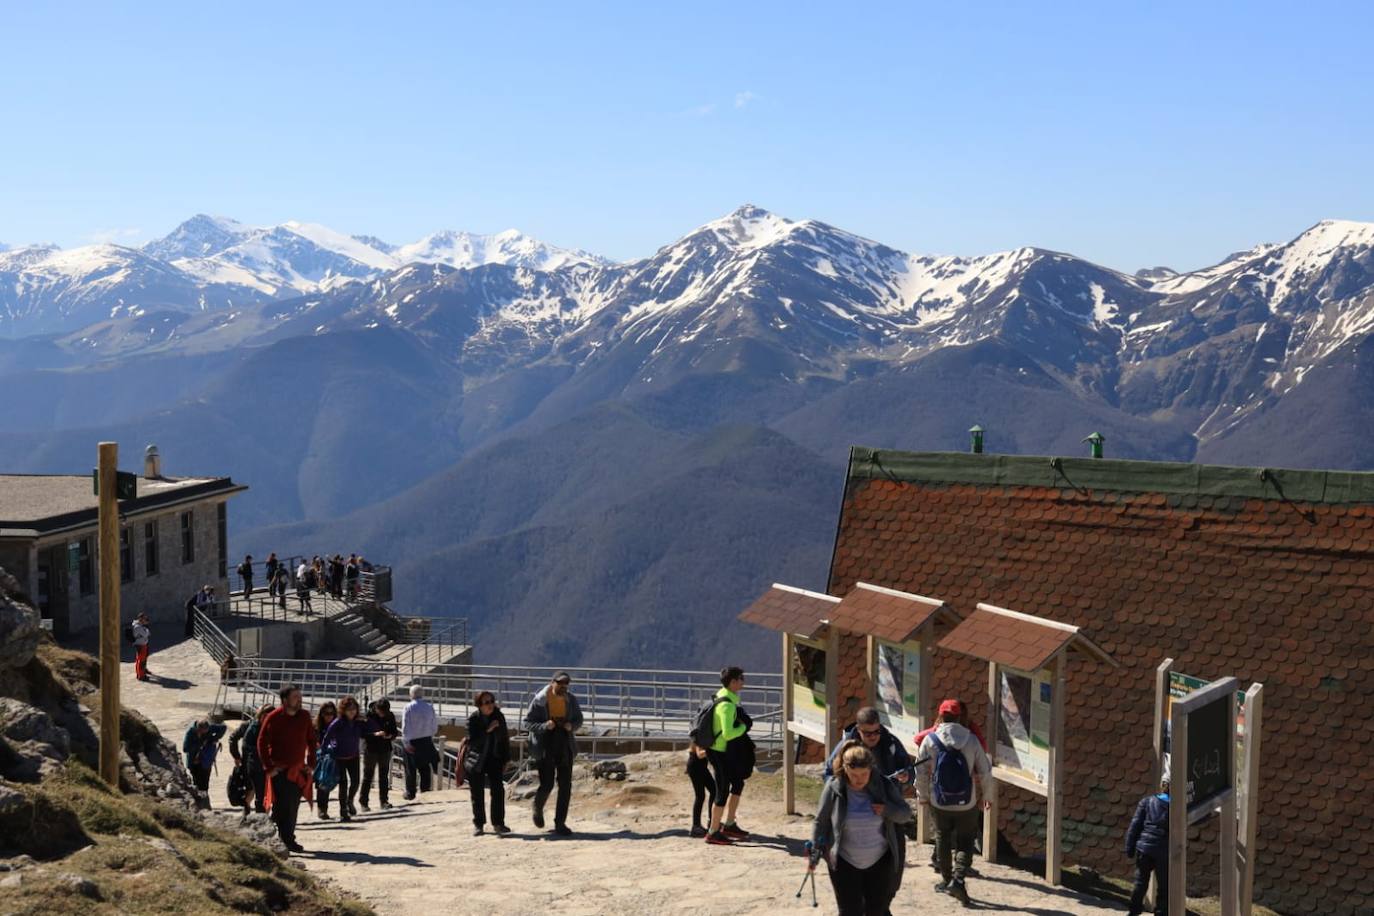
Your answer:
<point x="1096" y="440"/>
<point x="152" y="463"/>
<point x="976" y="435"/>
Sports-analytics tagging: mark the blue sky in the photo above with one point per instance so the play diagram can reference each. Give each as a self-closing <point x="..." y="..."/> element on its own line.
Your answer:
<point x="1131" y="134"/>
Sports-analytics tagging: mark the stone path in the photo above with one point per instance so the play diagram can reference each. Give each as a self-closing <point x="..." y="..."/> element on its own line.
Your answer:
<point x="631" y="854"/>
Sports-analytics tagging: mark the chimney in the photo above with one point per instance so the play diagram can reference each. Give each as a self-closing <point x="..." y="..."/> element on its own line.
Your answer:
<point x="976" y="443"/>
<point x="1096" y="440"/>
<point x="152" y="463"/>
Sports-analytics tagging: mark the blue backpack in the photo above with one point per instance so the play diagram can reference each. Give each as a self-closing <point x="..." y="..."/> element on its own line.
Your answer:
<point x="326" y="771"/>
<point x="952" y="786"/>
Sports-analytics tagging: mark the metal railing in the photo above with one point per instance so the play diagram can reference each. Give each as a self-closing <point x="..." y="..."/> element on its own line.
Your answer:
<point x="213" y="640"/>
<point x="619" y="705"/>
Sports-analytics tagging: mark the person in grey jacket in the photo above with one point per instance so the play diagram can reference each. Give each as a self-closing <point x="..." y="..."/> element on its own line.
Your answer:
<point x="952" y="754"/>
<point x="856" y="828"/>
<point x="552" y="720"/>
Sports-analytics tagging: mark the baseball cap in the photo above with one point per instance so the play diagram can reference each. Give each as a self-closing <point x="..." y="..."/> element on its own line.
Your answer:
<point x="951" y="708"/>
<point x="562" y="677"/>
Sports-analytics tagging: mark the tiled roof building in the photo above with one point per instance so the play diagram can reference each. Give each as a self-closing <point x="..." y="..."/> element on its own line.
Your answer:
<point x="1264" y="575"/>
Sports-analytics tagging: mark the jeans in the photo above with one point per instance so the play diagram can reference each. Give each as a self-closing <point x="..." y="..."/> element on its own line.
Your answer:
<point x="1144" y="865"/>
<point x="286" y="802"/>
<point x="378" y="761"/>
<point x="954" y="835"/>
<point x="555" y="769"/>
<point x="488" y="780"/>
<point x="420" y="765"/>
<point x="201" y="777"/>
<point x="864" y="891"/>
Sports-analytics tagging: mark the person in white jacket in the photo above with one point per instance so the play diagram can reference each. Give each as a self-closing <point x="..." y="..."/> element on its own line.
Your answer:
<point x="954" y="778"/>
<point x="141" y="634"/>
<point x="419" y="725"/>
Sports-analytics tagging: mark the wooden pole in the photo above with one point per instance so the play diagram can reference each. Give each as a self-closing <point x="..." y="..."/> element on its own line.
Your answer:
<point x="109" y="614"/>
<point x="1054" y="818"/>
<point x="1228" y="833"/>
<point x="789" y="740"/>
<point x="923" y="819"/>
<point x="1161" y="717"/>
<point x="1178" y="813"/>
<point x="990" y="816"/>
<point x="1249" y="802"/>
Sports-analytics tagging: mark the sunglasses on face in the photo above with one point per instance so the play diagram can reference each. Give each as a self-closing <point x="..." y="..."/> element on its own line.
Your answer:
<point x="487" y="703"/>
<point x="870" y="733"/>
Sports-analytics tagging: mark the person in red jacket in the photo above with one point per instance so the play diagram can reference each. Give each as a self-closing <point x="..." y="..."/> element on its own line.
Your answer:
<point x="286" y="747"/>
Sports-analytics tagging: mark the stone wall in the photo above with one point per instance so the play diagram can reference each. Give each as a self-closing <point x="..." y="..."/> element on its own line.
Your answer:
<point x="162" y="596"/>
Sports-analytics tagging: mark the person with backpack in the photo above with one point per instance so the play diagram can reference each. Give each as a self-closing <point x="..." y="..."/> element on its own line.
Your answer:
<point x="484" y="762"/>
<point x="703" y="785"/>
<point x="140" y="633"/>
<point x="245" y="572"/>
<point x="1147" y="842"/>
<point x="856" y="829"/>
<point x="243" y="747"/>
<point x="552" y="720"/>
<point x="286" y="747"/>
<point x="200" y="745"/>
<point x="948" y="781"/>
<point x="729" y="750"/>
<point x="343" y="739"/>
<point x="324" y="717"/>
<point x="379" y="731"/>
<point x="888" y="753"/>
<point x="967" y="721"/>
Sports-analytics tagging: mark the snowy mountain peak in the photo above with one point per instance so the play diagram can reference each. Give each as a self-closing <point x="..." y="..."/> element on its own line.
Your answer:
<point x="748" y="228"/>
<point x="201" y="236"/>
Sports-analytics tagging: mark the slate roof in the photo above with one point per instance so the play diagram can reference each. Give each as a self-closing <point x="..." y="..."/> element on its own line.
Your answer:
<point x="889" y="614"/>
<point x="787" y="609"/>
<point x="1265" y="577"/>
<point x="34" y="504"/>
<point x="1014" y="639"/>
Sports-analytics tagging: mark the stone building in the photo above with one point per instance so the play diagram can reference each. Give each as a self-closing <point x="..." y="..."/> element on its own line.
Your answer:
<point x="173" y="539"/>
<point x="1260" y="574"/>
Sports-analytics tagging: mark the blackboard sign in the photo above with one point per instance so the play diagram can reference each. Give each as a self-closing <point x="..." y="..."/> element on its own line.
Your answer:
<point x="1211" y="743"/>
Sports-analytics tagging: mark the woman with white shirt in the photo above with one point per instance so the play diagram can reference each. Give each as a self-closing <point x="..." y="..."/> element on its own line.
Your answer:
<point x="856" y="829"/>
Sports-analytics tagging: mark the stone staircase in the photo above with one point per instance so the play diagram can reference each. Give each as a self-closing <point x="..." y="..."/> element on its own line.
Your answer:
<point x="359" y="626"/>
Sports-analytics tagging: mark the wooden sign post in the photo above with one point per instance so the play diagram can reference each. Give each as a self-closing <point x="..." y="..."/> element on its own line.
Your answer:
<point x="1202" y="738"/>
<point x="109" y="613"/>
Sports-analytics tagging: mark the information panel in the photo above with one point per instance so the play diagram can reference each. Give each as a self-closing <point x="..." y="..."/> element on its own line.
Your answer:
<point x="1180" y="685"/>
<point x="1210" y="766"/>
<point x="898" y="680"/>
<point x="808" y="673"/>
<point x="1023" y="722"/>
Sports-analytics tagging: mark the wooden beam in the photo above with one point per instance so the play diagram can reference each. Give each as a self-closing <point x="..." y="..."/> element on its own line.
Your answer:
<point x="990" y="816"/>
<point x="789" y="740"/>
<point x="108" y="556"/>
<point x="1228" y="834"/>
<point x="1178" y="812"/>
<point x="1161" y="713"/>
<point x="1054" y="820"/>
<point x="1249" y="799"/>
<point x="923" y="819"/>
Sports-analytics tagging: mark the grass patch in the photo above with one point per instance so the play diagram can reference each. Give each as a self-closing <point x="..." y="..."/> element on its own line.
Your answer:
<point x="808" y="789"/>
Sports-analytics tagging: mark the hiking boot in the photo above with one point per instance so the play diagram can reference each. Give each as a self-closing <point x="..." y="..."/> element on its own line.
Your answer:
<point x="477" y="830"/>
<point x="500" y="829"/>
<point x="345" y="817"/>
<point x="562" y="830"/>
<point x="386" y="806"/>
<point x="324" y="815"/>
<point x="942" y="887"/>
<point x="365" y="807"/>
<point x="698" y="831"/>
<point x="537" y="815"/>
<point x="734" y="831"/>
<point x="719" y="839"/>
<point x="958" y="891"/>
<point x="293" y="846"/>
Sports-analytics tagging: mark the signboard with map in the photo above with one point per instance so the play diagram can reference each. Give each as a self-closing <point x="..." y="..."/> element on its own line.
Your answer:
<point x="898" y="686"/>
<point x="807" y="677"/>
<point x="1023" y="723"/>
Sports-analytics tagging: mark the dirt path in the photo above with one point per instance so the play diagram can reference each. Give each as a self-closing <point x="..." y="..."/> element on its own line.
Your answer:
<point x="631" y="854"/>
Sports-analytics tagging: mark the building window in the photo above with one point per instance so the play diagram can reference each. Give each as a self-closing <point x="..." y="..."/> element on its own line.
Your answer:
<point x="188" y="538"/>
<point x="126" y="556"/>
<point x="85" y="573"/>
<point x="150" y="554"/>
<point x="222" y="517"/>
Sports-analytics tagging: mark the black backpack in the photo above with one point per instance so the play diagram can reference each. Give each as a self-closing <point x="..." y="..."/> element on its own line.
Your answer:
<point x="704" y="724"/>
<point x="237" y="790"/>
<point x="129" y="632"/>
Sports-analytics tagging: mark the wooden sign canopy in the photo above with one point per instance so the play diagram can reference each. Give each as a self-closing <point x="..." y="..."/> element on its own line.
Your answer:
<point x="1027" y="660"/>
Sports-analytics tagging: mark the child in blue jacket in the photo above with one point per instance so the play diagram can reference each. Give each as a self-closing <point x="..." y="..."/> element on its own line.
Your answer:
<point x="1147" y="841"/>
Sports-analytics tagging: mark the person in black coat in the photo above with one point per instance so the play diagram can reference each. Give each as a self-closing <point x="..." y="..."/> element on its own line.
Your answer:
<point x="1147" y="841"/>
<point x="379" y="733"/>
<point x="485" y="762"/>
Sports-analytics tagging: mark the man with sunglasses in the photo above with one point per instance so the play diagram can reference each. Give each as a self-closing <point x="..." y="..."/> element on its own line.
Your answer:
<point x="890" y="756"/>
<point x="552" y="720"/>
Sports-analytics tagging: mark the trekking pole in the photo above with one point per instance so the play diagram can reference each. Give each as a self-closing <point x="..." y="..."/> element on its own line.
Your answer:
<point x="812" y="855"/>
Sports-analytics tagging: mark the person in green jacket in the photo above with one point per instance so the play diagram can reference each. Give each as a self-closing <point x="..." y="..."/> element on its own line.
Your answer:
<point x="729" y="756"/>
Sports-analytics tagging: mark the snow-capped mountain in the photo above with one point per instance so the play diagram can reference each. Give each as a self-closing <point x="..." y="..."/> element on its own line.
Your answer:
<point x="467" y="249"/>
